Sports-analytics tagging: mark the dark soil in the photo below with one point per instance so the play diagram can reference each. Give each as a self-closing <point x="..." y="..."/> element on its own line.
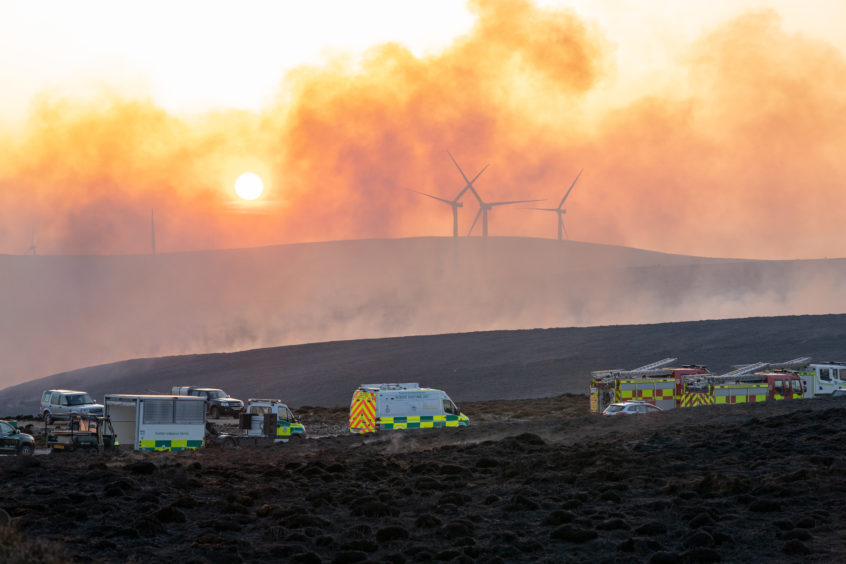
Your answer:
<point x="529" y="481"/>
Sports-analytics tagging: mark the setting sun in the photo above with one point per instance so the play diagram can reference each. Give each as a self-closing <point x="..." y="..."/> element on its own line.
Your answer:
<point x="249" y="186"/>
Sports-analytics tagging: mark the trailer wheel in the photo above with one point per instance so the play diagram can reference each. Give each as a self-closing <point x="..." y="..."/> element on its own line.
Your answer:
<point x="26" y="450"/>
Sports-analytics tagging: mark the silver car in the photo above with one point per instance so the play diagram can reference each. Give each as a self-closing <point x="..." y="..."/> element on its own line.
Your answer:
<point x="61" y="404"/>
<point x="631" y="408"/>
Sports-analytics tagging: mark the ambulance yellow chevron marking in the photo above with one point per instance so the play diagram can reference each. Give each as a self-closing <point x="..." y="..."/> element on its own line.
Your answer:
<point x="363" y="412"/>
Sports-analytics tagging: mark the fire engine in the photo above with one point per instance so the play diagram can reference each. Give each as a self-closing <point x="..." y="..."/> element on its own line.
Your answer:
<point x="695" y="385"/>
<point x="653" y="383"/>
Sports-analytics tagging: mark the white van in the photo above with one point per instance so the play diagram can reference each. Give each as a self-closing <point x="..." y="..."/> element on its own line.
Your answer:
<point x="151" y="422"/>
<point x="384" y="407"/>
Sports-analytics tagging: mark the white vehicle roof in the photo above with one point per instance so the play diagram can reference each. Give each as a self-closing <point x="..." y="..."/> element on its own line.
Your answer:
<point x="153" y="396"/>
<point x="256" y="401"/>
<point x="392" y="386"/>
<point x="67" y="391"/>
<point x="634" y="402"/>
<point x="404" y="387"/>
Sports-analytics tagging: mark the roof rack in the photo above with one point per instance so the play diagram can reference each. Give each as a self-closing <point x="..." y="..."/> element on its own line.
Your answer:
<point x="393" y="386"/>
<point x="747" y="372"/>
<point x="652" y="369"/>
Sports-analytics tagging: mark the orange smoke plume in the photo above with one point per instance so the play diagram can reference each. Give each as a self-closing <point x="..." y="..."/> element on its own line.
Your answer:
<point x="741" y="158"/>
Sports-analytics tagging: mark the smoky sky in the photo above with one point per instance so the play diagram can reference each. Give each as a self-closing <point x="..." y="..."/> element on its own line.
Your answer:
<point x="736" y="154"/>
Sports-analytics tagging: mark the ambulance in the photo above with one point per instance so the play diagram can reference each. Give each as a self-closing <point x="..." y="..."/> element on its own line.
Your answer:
<point x="270" y="418"/>
<point x="387" y="407"/>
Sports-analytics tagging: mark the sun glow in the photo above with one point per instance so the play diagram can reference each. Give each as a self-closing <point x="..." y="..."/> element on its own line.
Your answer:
<point x="249" y="186"/>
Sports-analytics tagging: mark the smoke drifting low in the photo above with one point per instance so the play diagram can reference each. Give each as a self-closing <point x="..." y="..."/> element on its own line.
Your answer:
<point x="66" y="312"/>
<point x="740" y="158"/>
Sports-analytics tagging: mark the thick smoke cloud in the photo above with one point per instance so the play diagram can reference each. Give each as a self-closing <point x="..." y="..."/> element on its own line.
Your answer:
<point x="739" y="158"/>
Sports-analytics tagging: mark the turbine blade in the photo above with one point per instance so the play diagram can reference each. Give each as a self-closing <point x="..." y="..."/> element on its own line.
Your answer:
<point x="479" y="174"/>
<point x="469" y="185"/>
<point x="444" y="200"/>
<point x="571" y="188"/>
<point x="458" y="167"/>
<point x="475" y="194"/>
<point x="512" y="202"/>
<point x="543" y="209"/>
<point x="478" y="213"/>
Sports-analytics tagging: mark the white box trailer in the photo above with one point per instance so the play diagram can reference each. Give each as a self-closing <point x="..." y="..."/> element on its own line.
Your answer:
<point x="157" y="422"/>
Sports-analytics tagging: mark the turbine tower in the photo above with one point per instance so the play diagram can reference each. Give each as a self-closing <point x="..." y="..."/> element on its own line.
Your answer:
<point x="32" y="250"/>
<point x="559" y="210"/>
<point x="484" y="207"/>
<point x="153" y="229"/>
<point x="454" y="203"/>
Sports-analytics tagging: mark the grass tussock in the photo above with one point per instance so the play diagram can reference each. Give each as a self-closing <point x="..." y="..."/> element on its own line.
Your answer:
<point x="15" y="547"/>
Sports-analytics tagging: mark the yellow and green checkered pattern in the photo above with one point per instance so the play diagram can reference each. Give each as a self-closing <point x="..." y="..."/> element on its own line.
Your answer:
<point x="423" y="421"/>
<point x="286" y="429"/>
<point x="169" y="445"/>
<point x="740" y="393"/>
<point x="658" y="390"/>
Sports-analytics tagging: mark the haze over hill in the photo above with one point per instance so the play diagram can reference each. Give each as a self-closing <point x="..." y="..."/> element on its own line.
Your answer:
<point x="65" y="312"/>
<point x="469" y="366"/>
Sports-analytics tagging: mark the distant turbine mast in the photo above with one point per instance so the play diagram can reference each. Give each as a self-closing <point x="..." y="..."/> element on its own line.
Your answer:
<point x="153" y="229"/>
<point x="454" y="203"/>
<point x="32" y="250"/>
<point x="559" y="210"/>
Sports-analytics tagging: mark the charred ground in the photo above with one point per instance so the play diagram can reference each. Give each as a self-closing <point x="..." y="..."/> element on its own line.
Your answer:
<point x="530" y="480"/>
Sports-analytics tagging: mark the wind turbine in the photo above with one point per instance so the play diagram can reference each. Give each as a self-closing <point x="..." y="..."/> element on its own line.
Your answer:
<point x="484" y="207"/>
<point x="455" y="204"/>
<point x="559" y="210"/>
<point x="31" y="250"/>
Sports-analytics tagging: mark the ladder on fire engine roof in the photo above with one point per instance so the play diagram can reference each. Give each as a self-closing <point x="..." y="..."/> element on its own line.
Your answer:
<point x="800" y="362"/>
<point x="746" y="372"/>
<point x="653" y="369"/>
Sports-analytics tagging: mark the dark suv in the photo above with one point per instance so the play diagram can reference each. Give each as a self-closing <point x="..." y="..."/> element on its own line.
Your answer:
<point x="13" y="441"/>
<point x="218" y="402"/>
